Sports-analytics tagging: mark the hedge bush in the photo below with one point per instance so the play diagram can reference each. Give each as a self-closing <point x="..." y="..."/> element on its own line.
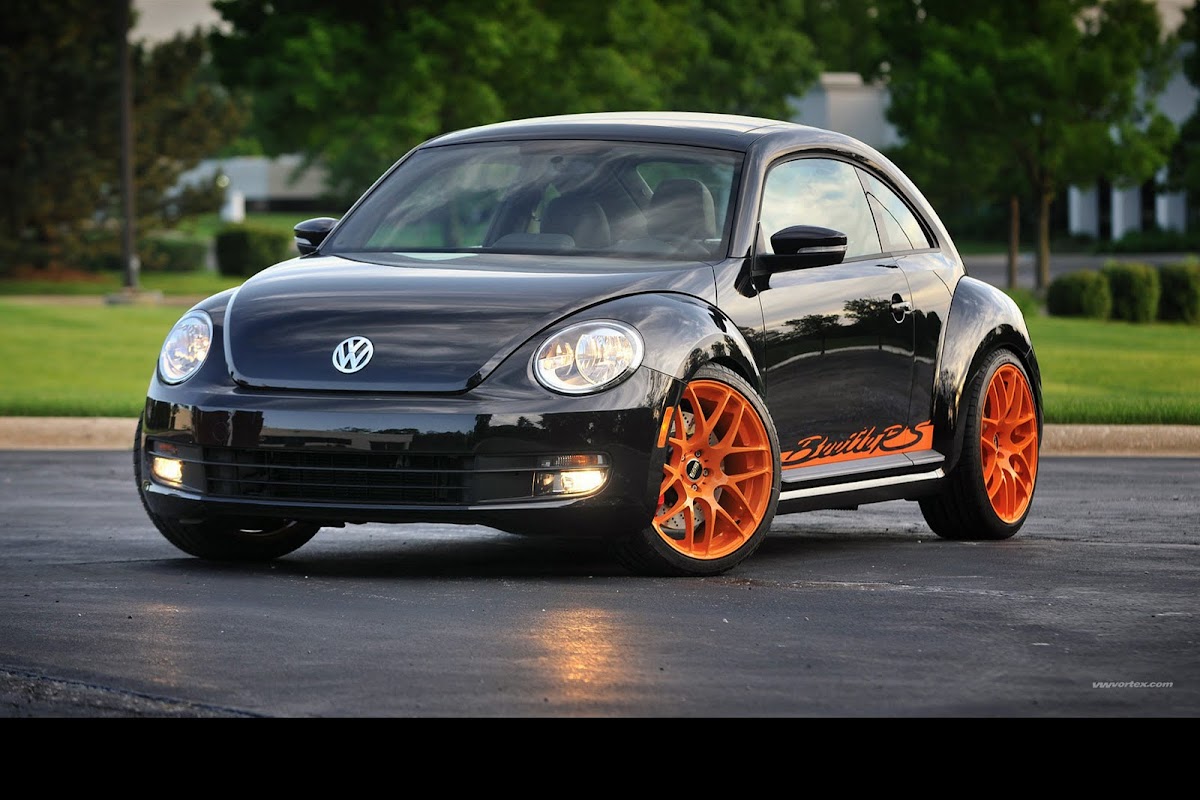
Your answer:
<point x="1084" y="293"/>
<point x="172" y="253"/>
<point x="158" y="251"/>
<point x="1135" y="290"/>
<point x="1180" y="296"/>
<point x="246" y="249"/>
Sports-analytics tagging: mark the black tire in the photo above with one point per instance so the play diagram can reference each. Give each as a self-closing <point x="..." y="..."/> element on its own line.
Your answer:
<point x="716" y="508"/>
<point x="988" y="495"/>
<point x="223" y="540"/>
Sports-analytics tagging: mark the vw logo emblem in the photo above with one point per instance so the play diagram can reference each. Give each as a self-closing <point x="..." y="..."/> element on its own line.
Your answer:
<point x="352" y="354"/>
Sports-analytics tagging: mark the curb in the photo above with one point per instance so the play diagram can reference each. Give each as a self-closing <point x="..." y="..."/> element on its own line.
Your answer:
<point x="116" y="433"/>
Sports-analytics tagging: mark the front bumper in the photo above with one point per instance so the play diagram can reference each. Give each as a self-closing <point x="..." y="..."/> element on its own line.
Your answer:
<point x="481" y="457"/>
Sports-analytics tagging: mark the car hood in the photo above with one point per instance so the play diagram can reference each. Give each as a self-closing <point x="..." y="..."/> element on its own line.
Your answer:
<point x="435" y="326"/>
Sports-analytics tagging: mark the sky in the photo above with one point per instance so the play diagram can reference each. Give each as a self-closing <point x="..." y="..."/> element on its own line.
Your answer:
<point x="162" y="19"/>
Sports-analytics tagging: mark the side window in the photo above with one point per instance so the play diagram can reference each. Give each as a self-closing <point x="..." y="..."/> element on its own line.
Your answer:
<point x="897" y="223"/>
<point x="819" y="191"/>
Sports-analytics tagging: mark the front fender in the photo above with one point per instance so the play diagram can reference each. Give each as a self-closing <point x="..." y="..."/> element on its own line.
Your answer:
<point x="681" y="334"/>
<point x="982" y="319"/>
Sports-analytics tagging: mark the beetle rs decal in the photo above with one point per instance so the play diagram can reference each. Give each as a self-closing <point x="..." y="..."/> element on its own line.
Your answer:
<point x="872" y="441"/>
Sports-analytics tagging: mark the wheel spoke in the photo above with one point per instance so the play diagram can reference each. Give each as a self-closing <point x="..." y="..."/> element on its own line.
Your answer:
<point x="726" y="440"/>
<point x="747" y="508"/>
<point x="1010" y="490"/>
<point x="988" y="451"/>
<point x="679" y="425"/>
<point x="994" y="483"/>
<point x="1026" y="416"/>
<point x="736" y="528"/>
<point x="704" y="422"/>
<point x="1010" y="396"/>
<point x="741" y="477"/>
<point x="680" y="502"/>
<point x="994" y="406"/>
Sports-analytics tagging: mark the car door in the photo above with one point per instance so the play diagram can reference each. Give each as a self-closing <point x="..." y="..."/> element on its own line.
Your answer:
<point x="838" y="339"/>
<point x="907" y="237"/>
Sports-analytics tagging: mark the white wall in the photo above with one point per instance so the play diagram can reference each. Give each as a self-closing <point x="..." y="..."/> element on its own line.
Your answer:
<point x="260" y="179"/>
<point x="842" y="102"/>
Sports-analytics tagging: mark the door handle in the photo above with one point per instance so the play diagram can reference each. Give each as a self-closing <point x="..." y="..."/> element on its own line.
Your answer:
<point x="901" y="308"/>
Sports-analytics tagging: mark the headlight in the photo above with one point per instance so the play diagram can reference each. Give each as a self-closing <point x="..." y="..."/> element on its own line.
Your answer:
<point x="186" y="347"/>
<point x="588" y="357"/>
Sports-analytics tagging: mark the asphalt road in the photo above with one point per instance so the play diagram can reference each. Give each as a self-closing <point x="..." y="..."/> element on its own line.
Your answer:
<point x="993" y="267"/>
<point x="840" y="614"/>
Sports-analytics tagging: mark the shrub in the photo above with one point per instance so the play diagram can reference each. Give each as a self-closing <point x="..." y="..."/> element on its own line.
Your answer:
<point x="96" y="250"/>
<point x="1180" y="295"/>
<point x="246" y="249"/>
<point x="1135" y="290"/>
<point x="1151" y="240"/>
<point x="1080" y="294"/>
<point x="1026" y="300"/>
<point x="172" y="253"/>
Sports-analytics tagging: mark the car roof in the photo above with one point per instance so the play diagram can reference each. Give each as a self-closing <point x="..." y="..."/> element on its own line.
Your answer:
<point x="727" y="131"/>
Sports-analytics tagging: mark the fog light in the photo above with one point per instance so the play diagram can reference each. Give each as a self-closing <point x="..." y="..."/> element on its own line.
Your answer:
<point x="573" y="474"/>
<point x="167" y="470"/>
<point x="582" y="480"/>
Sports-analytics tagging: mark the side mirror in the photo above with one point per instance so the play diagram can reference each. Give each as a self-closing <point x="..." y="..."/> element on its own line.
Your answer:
<point x="310" y="233"/>
<point x="802" y="247"/>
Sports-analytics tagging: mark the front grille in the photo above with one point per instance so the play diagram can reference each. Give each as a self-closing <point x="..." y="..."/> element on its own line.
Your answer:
<point x="345" y="477"/>
<point x="338" y="477"/>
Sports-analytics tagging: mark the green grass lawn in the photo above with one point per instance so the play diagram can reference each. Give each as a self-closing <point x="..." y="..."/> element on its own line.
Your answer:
<point x="177" y="284"/>
<point x="70" y="360"/>
<point x="96" y="360"/>
<point x="1118" y="372"/>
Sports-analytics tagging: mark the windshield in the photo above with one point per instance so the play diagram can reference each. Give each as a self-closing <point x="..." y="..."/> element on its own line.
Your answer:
<point x="565" y="197"/>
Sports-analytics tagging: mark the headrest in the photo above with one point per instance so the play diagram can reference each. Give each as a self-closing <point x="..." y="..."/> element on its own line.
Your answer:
<point x="580" y="218"/>
<point x="682" y="208"/>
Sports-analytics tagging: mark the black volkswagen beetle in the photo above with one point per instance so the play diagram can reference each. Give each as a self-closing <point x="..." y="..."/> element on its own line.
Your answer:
<point x="659" y="328"/>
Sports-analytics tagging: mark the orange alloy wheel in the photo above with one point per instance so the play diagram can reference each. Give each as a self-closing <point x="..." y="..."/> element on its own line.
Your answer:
<point x="718" y="477"/>
<point x="1008" y="439"/>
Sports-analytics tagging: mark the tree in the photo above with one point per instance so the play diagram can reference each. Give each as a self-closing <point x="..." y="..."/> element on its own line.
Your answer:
<point x="355" y="85"/>
<point x="1053" y="92"/>
<point x="59" y="148"/>
<point x="845" y="34"/>
<point x="754" y="56"/>
<point x="58" y="75"/>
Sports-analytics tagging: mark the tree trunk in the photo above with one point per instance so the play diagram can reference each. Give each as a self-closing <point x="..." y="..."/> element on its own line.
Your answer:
<point x="1014" y="239"/>
<point x="129" y="256"/>
<point x="1043" y="246"/>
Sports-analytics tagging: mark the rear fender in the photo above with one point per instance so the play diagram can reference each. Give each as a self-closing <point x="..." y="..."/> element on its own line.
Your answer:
<point x="982" y="319"/>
